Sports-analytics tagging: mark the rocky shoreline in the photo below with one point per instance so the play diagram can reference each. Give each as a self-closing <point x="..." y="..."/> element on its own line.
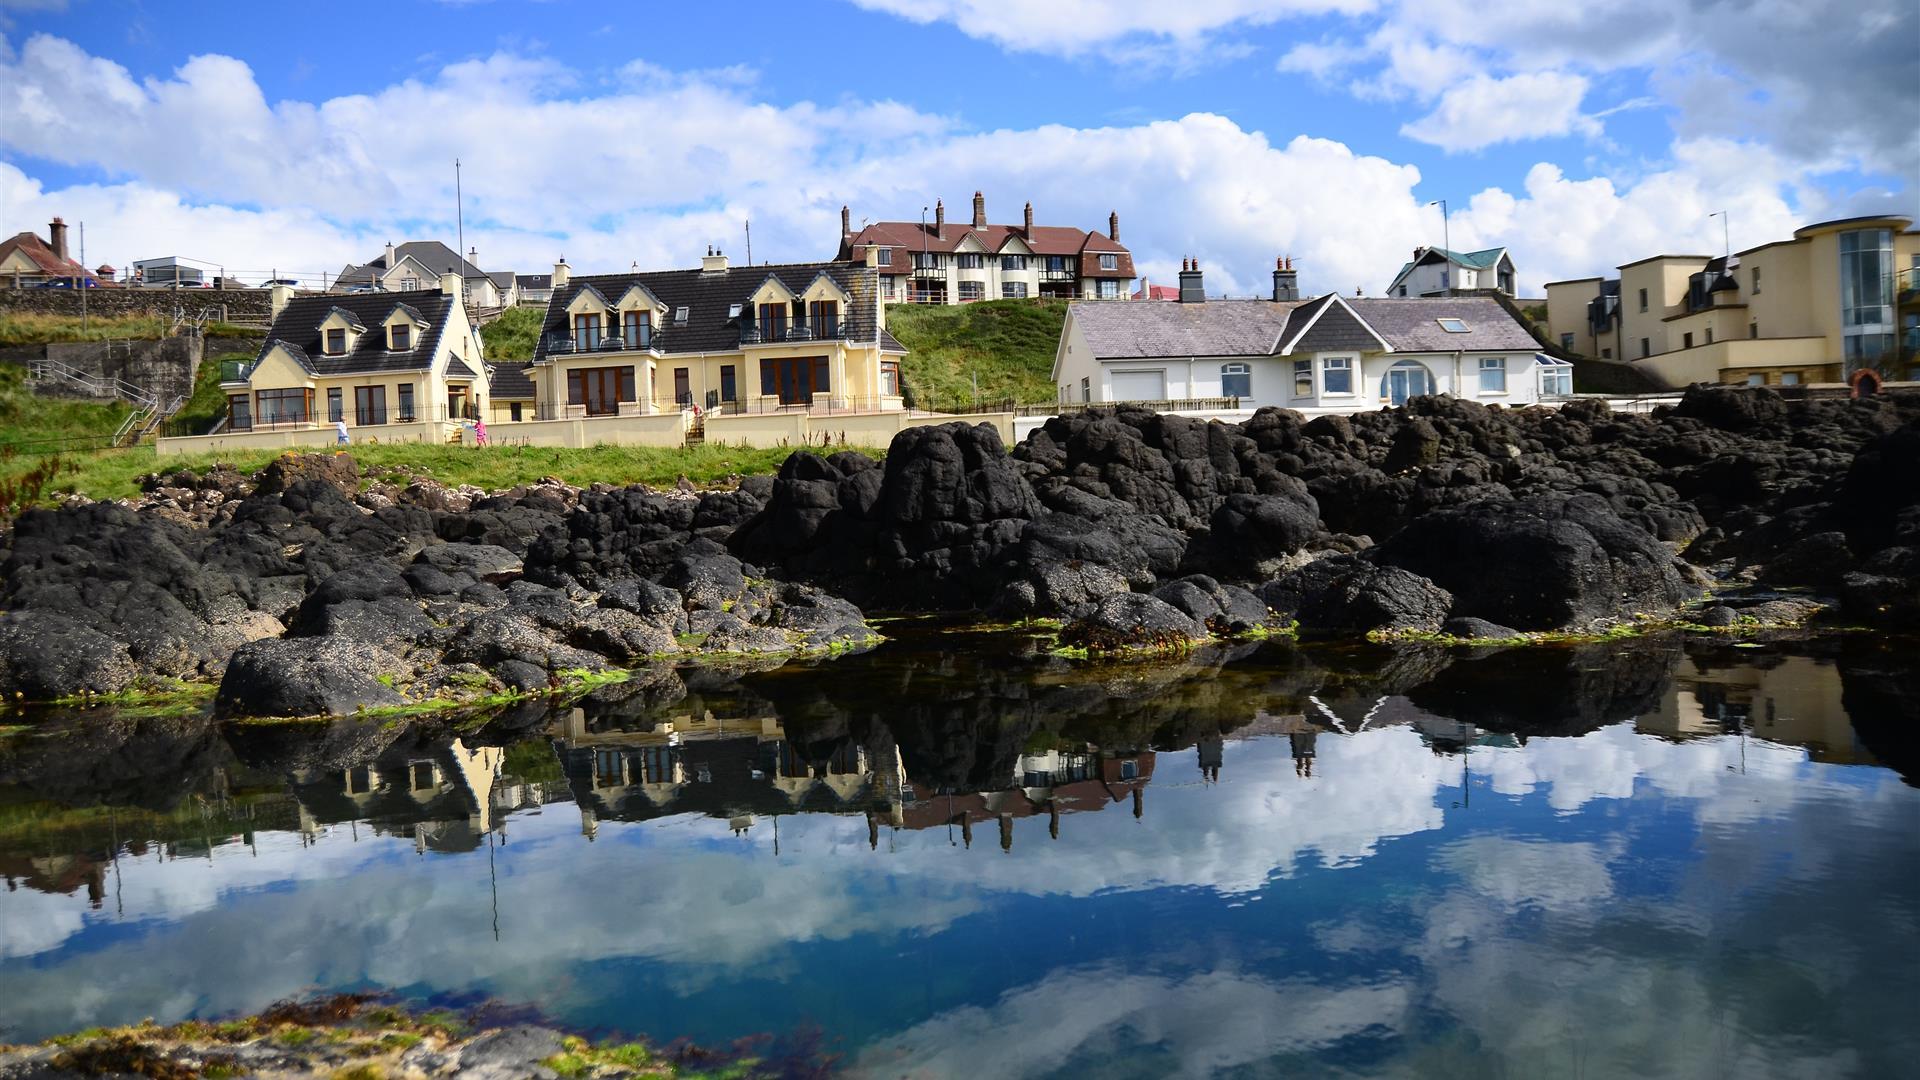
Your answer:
<point x="300" y="592"/>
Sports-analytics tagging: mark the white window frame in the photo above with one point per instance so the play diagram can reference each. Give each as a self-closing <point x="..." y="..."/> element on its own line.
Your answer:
<point x="681" y="314"/>
<point x="1550" y="380"/>
<point x="1347" y="364"/>
<point x="1013" y="290"/>
<point x="1302" y="367"/>
<point x="1109" y="262"/>
<point x="1495" y="366"/>
<point x="1109" y="289"/>
<point x="883" y="257"/>
<point x="1237" y="370"/>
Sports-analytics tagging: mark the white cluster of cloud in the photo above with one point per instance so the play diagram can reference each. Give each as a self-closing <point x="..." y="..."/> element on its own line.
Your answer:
<point x="653" y="168"/>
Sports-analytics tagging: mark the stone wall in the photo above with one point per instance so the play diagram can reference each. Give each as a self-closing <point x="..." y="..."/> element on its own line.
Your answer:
<point x="166" y="368"/>
<point x="243" y="305"/>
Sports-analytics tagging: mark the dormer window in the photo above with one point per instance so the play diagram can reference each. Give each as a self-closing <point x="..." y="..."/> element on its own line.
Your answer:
<point x="402" y="337"/>
<point x="1453" y="326"/>
<point x="336" y="342"/>
<point x="1109" y="262"/>
<point x="885" y="257"/>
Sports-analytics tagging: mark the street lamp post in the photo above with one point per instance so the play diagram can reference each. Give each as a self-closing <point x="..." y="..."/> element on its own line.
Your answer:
<point x="1446" y="247"/>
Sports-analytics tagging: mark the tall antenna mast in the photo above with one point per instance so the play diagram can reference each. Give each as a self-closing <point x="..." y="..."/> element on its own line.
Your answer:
<point x="749" y="241"/>
<point x="459" y="218"/>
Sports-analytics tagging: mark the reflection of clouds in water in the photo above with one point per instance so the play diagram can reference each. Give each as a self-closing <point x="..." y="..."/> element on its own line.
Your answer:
<point x="37" y="921"/>
<point x="1530" y="873"/>
<point x="1157" y="1025"/>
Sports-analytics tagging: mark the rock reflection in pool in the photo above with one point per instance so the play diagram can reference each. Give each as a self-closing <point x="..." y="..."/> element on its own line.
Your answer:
<point x="962" y="858"/>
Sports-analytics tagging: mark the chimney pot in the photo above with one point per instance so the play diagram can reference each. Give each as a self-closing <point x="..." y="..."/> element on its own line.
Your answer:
<point x="979" y="210"/>
<point x="1192" y="285"/>
<point x="57" y="237"/>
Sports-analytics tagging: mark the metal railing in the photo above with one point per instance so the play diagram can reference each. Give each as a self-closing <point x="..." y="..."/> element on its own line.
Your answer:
<point x="584" y="341"/>
<point x="86" y="382"/>
<point x="1202" y="404"/>
<point x="236" y="371"/>
<point x="761" y="332"/>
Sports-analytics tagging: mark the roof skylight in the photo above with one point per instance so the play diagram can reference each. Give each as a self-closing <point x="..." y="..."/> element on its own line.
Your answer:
<point x="1453" y="326"/>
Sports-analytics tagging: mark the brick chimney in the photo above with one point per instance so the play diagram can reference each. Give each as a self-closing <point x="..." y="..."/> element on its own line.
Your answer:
<point x="979" y="211"/>
<point x="1113" y="226"/>
<point x="1029" y="232"/>
<point x="846" y="220"/>
<point x="940" y="218"/>
<point x="57" y="237"/>
<point x="1286" y="281"/>
<point x="1193" y="288"/>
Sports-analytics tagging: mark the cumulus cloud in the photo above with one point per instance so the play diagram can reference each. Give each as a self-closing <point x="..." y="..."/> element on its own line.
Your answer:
<point x="1483" y="111"/>
<point x="682" y="160"/>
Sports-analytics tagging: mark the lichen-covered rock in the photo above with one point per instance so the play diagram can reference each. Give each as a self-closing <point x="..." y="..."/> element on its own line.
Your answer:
<point x="1132" y="621"/>
<point x="315" y="676"/>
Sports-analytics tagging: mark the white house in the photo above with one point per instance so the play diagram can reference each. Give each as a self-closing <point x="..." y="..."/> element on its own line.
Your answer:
<point x="1437" y="271"/>
<point x="420" y="264"/>
<point x="1327" y="355"/>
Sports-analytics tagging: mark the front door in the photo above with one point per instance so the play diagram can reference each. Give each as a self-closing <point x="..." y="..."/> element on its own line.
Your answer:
<point x="456" y="402"/>
<point x="794" y="379"/>
<point x="682" y="387"/>
<point x="1411" y="381"/>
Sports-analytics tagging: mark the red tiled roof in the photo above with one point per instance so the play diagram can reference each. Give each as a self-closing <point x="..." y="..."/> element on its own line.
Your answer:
<point x="36" y="249"/>
<point x="1158" y="292"/>
<point x="906" y="237"/>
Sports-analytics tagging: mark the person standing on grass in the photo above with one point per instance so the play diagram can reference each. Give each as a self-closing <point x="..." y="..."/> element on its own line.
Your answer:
<point x="479" y="431"/>
<point x="340" y="429"/>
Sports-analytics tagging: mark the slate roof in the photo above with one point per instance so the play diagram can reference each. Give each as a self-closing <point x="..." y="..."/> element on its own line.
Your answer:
<point x="906" y="237"/>
<point x="298" y="328"/>
<point x="36" y="249"/>
<point x="437" y="257"/>
<point x="1327" y="326"/>
<point x="710" y="294"/>
<point x="1257" y="327"/>
<point x="502" y="279"/>
<point x="509" y="382"/>
<point x="534" y="281"/>
<point x="458" y="369"/>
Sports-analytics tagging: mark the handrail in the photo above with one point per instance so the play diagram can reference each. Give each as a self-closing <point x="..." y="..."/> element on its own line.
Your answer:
<point x="94" y="385"/>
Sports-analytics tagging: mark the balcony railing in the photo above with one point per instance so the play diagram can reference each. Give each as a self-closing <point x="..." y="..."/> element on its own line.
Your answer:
<point x="1059" y="274"/>
<point x="769" y="332"/>
<point x="936" y="270"/>
<point x="236" y="371"/>
<point x="594" y="341"/>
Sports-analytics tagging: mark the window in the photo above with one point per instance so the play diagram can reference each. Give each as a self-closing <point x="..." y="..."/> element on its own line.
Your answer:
<point x="336" y="342"/>
<point x="1109" y="262"/>
<point x="1109" y="289"/>
<point x="1643" y="299"/>
<point x="795" y="380"/>
<point x="1753" y="329"/>
<point x="972" y="290"/>
<point x="284" y="406"/>
<point x="682" y="386"/>
<point x="1646" y="347"/>
<point x="1757" y="379"/>
<point x="1236" y="380"/>
<point x="1789" y="378"/>
<point x="1686" y="340"/>
<point x="773" y="322"/>
<point x="926" y="260"/>
<point x="586" y="332"/>
<point x="601" y="390"/>
<point x="890" y="378"/>
<point x="424" y="775"/>
<point x="406" y="402"/>
<point x="824" y="318"/>
<point x="1302" y="378"/>
<point x="886" y="288"/>
<point x="1013" y="262"/>
<point x="1013" y="290"/>
<point x="729" y="388"/>
<point x="1086" y="389"/>
<point x="1493" y="374"/>
<point x="1336" y="375"/>
<point x="1403" y="292"/>
<point x="969" y="260"/>
<point x="1756" y="281"/>
<point x="885" y="257"/>
<point x="681" y="314"/>
<point x="1566" y="342"/>
<point x="1453" y="326"/>
<point x="402" y="337"/>
<point x="369" y="405"/>
<point x="239" y="413"/>
<point x="636" y="329"/>
<point x="336" y="408"/>
<point x="1057" y="264"/>
<point x="734" y="310"/>
<point x="1556" y="381"/>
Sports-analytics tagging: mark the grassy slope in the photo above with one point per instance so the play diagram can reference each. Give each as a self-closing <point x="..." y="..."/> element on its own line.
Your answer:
<point x="26" y="419"/>
<point x="513" y="335"/>
<point x="112" y="474"/>
<point x="28" y="329"/>
<point x="1007" y="344"/>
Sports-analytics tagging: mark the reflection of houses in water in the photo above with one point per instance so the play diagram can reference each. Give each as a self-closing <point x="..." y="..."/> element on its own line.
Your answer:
<point x="1793" y="699"/>
<point x="445" y="797"/>
<point x="1050" y="783"/>
<point x="728" y="768"/>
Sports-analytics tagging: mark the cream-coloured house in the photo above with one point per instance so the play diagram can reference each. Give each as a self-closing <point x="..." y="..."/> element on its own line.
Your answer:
<point x="808" y="337"/>
<point x="394" y="366"/>
<point x="1328" y="354"/>
<point x="1839" y="298"/>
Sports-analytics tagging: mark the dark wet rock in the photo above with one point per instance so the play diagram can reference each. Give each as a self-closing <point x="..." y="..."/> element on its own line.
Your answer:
<point x="1127" y="621"/>
<point x="1222" y="609"/>
<point x="1540" y="564"/>
<point x="1349" y="596"/>
<point x="1470" y="628"/>
<point x="47" y="655"/>
<point x="514" y="1053"/>
<point x="308" y="677"/>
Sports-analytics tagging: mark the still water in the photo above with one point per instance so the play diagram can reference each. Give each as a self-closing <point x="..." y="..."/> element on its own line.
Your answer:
<point x="955" y="856"/>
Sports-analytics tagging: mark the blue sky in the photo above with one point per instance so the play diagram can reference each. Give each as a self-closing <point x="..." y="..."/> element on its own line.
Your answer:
<point x="1233" y="130"/>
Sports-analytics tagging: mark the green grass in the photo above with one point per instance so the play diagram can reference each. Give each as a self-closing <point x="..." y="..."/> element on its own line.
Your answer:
<point x="513" y="335"/>
<point x="209" y="401"/>
<point x="113" y="474"/>
<point x="30" y="421"/>
<point x="1008" y="345"/>
<point x="32" y="329"/>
